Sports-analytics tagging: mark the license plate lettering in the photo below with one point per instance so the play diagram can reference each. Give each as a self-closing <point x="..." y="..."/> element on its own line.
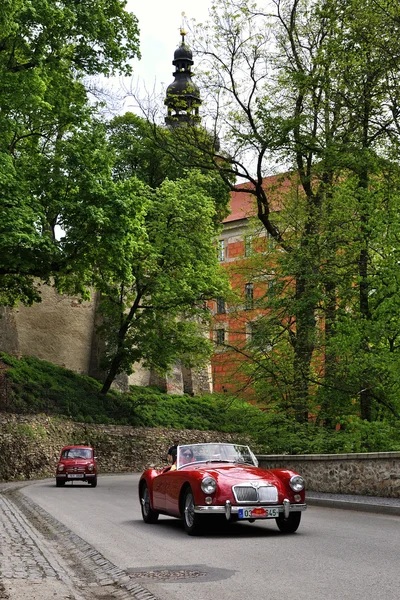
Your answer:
<point x="75" y="476"/>
<point x="258" y="512"/>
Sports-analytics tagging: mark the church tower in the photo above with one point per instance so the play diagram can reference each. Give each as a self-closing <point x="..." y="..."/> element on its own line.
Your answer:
<point x="183" y="96"/>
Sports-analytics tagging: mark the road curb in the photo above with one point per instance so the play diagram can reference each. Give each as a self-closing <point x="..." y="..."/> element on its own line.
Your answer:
<point x="349" y="505"/>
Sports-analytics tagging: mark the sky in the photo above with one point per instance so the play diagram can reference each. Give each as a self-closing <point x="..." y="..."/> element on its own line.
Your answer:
<point x="159" y="24"/>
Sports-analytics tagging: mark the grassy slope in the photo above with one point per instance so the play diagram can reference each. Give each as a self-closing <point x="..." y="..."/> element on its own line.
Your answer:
<point x="33" y="386"/>
<point x="36" y="386"/>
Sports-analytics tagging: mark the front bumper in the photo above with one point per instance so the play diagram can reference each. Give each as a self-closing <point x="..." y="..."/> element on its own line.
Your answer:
<point x="228" y="509"/>
<point x="82" y="477"/>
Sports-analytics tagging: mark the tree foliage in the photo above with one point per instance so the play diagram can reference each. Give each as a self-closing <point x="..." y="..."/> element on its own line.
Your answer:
<point x="155" y="280"/>
<point x="143" y="242"/>
<point x="312" y="86"/>
<point x="144" y="239"/>
<point x="46" y="49"/>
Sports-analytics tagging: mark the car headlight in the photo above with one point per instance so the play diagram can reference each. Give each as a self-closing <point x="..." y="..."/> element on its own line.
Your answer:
<point x="208" y="485"/>
<point x="297" y="483"/>
<point x="90" y="467"/>
<point x="60" y="468"/>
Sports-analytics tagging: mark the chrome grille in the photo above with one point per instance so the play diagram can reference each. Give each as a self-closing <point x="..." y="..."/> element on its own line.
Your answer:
<point x="254" y="492"/>
<point x="245" y="494"/>
<point x="268" y="494"/>
<point x="76" y="470"/>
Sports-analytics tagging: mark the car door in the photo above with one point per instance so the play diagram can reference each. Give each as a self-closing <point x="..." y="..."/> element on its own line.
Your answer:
<point x="173" y="485"/>
<point x="159" y="491"/>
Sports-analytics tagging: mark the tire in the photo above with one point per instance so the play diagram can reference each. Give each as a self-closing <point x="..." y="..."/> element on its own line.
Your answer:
<point x="192" y="521"/>
<point x="93" y="482"/>
<point x="290" y="524"/>
<point x="148" y="514"/>
<point x="60" y="483"/>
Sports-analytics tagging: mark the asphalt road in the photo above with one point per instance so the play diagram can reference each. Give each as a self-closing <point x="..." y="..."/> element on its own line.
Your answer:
<point x="336" y="554"/>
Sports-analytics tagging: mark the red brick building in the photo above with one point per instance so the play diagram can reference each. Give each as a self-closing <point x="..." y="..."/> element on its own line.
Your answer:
<point x="243" y="248"/>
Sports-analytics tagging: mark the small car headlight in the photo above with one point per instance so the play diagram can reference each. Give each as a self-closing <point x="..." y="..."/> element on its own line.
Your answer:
<point x="90" y="467"/>
<point x="60" y="468"/>
<point x="208" y="485"/>
<point x="297" y="483"/>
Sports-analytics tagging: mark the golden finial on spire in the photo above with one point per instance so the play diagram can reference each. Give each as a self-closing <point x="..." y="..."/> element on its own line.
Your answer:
<point x="183" y="32"/>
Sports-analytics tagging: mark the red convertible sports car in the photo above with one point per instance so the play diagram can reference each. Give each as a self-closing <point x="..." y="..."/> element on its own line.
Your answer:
<point x="221" y="481"/>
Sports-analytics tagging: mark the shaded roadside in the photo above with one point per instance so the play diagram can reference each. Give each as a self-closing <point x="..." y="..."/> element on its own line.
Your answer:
<point x="374" y="504"/>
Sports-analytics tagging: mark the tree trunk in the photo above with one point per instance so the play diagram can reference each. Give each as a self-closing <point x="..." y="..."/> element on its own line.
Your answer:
<point x="365" y="396"/>
<point x="303" y="346"/>
<point x="112" y="373"/>
<point x="119" y="355"/>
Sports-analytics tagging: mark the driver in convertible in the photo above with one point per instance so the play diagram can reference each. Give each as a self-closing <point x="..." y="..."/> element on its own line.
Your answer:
<point x="186" y="456"/>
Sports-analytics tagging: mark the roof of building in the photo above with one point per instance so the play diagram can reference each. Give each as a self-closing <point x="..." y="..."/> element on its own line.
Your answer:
<point x="243" y="204"/>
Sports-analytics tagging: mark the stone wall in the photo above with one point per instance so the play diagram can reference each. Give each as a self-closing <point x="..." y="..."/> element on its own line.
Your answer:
<point x="30" y="445"/>
<point x="369" y="474"/>
<point x="58" y="329"/>
<point x="62" y="330"/>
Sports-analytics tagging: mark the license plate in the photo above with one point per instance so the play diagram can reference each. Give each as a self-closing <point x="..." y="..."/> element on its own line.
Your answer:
<point x="258" y="512"/>
<point x="75" y="476"/>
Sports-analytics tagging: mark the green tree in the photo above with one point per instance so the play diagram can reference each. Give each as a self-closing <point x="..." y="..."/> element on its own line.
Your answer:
<point x="46" y="49"/>
<point x="137" y="155"/>
<point x="312" y="86"/>
<point x="155" y="266"/>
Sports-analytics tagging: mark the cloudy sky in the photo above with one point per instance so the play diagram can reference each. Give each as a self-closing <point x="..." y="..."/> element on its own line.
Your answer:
<point x="159" y="23"/>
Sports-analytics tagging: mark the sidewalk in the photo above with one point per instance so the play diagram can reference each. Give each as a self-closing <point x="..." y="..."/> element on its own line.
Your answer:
<point x="389" y="506"/>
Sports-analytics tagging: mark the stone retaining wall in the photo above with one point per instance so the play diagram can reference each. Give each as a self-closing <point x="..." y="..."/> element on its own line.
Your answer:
<point x="369" y="474"/>
<point x="30" y="445"/>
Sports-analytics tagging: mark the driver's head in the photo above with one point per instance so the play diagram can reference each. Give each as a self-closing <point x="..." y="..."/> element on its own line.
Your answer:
<point x="187" y="455"/>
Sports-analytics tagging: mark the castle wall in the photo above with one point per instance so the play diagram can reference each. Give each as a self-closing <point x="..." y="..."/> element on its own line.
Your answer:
<point x="140" y="376"/>
<point x="59" y="329"/>
<point x="8" y="331"/>
<point x="62" y="330"/>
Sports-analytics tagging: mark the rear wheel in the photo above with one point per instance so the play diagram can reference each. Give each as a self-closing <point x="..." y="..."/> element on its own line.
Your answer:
<point x="148" y="514"/>
<point x="290" y="524"/>
<point x="193" y="522"/>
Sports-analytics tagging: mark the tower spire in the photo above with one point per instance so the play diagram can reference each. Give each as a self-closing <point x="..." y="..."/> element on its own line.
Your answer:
<point x="183" y="96"/>
<point x="182" y="30"/>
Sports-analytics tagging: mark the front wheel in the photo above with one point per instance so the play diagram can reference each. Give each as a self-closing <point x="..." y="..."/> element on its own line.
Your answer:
<point x="192" y="521"/>
<point x="290" y="524"/>
<point x="148" y="514"/>
<point x="93" y="482"/>
<point x="60" y="483"/>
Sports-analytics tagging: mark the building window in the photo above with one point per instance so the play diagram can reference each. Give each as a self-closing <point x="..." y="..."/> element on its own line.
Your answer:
<point x="248" y="296"/>
<point x="270" y="242"/>
<point x="248" y="245"/>
<point x="221" y="250"/>
<point x="249" y="333"/>
<point x="220" y="306"/>
<point x="271" y="286"/>
<point x="256" y="337"/>
<point x="220" y="337"/>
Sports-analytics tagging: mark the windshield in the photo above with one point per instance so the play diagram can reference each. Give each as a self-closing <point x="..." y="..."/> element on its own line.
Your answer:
<point x="77" y="453"/>
<point x="229" y="453"/>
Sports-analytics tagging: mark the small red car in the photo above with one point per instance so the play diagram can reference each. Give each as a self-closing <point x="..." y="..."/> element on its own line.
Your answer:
<point x="76" y="463"/>
<point x="221" y="482"/>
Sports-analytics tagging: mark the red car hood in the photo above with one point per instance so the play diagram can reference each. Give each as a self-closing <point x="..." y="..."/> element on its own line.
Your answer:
<point x="239" y="473"/>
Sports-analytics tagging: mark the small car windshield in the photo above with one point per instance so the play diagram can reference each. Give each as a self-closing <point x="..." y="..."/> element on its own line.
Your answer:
<point x="229" y="453"/>
<point x="77" y="453"/>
